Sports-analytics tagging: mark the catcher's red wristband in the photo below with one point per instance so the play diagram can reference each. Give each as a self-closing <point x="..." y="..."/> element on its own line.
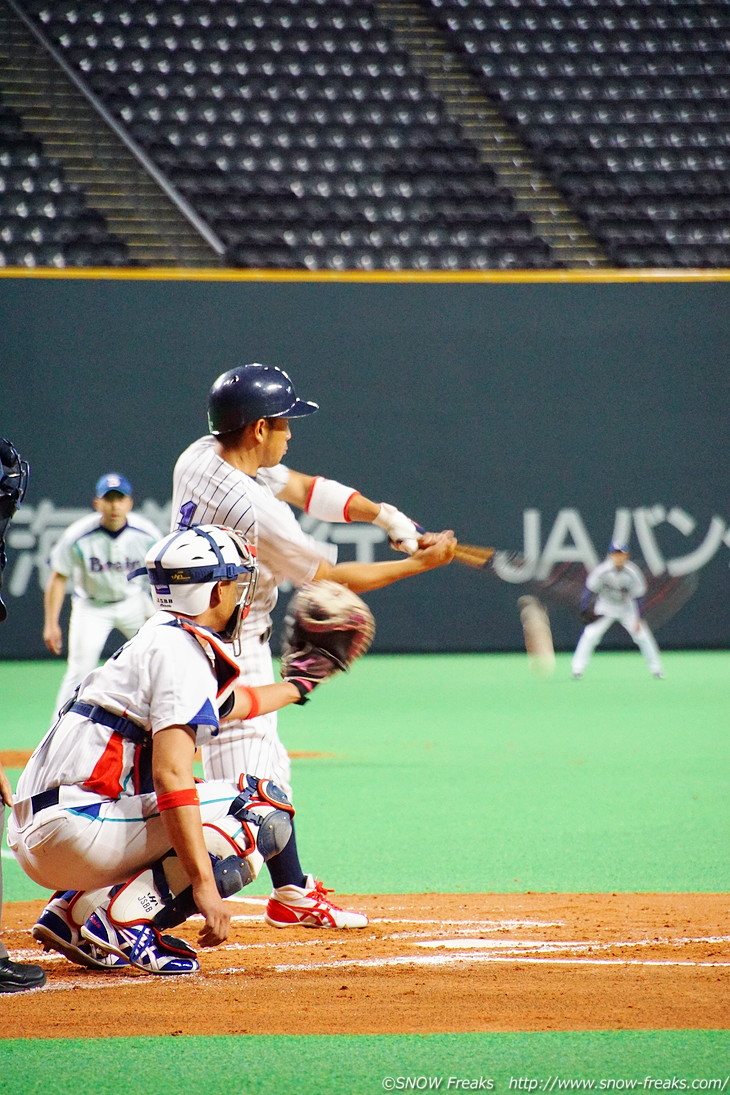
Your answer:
<point x="253" y="699"/>
<point x="170" y="800"/>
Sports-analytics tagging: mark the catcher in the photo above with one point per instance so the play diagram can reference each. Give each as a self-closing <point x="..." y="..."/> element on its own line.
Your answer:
<point x="108" y="811"/>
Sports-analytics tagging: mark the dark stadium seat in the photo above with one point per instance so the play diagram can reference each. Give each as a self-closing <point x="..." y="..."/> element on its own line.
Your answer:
<point x="43" y="216"/>
<point x="623" y="103"/>
<point x="262" y="113"/>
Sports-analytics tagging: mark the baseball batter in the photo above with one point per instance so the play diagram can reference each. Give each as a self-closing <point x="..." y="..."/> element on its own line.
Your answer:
<point x="96" y="553"/>
<point x="108" y="798"/>
<point x="617" y="586"/>
<point x="234" y="476"/>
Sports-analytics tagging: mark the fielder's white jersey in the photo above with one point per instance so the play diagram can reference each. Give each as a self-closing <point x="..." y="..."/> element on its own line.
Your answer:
<point x="162" y="677"/>
<point x="98" y="561"/>
<point x="210" y="491"/>
<point x="615" y="587"/>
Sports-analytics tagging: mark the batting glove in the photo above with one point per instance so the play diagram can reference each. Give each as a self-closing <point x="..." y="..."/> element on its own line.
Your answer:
<point x="402" y="532"/>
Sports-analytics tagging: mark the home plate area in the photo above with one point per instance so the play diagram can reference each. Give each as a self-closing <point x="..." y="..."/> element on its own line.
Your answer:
<point x="426" y="963"/>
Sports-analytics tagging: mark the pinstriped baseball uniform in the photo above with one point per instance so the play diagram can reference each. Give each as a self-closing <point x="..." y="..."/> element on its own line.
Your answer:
<point x="210" y="491"/>
<point x="97" y="562"/>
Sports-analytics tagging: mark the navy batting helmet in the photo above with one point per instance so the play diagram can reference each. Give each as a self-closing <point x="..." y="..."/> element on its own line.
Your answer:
<point x="250" y="392"/>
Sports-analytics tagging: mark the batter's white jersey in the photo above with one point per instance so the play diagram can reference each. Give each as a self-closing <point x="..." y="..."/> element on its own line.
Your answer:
<point x="209" y="491"/>
<point x="616" y="587"/>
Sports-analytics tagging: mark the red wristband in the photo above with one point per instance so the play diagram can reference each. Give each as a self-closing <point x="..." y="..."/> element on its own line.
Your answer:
<point x="172" y="799"/>
<point x="253" y="700"/>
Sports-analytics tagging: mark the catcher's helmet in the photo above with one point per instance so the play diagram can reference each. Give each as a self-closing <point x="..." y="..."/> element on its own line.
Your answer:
<point x="250" y="392"/>
<point x="185" y="565"/>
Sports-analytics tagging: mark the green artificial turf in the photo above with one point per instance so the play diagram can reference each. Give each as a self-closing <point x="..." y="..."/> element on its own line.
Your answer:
<point x="365" y="1065"/>
<point x="466" y="773"/>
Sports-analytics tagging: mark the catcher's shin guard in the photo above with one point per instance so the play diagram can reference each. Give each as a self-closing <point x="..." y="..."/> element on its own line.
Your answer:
<point x="256" y="827"/>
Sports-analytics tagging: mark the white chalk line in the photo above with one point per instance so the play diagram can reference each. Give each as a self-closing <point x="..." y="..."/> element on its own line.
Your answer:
<point x="464" y="949"/>
<point x="523" y="950"/>
<point x="562" y="945"/>
<point x="479" y="958"/>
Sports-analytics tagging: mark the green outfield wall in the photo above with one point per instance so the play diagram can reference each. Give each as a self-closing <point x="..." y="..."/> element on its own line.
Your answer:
<point x="537" y="415"/>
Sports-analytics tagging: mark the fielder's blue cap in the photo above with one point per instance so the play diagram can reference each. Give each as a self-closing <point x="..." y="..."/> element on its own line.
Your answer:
<point x="617" y="546"/>
<point x="111" y="482"/>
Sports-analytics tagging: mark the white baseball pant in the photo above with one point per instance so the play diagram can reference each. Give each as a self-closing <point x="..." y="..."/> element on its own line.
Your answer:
<point x="74" y="844"/>
<point x="628" y="618"/>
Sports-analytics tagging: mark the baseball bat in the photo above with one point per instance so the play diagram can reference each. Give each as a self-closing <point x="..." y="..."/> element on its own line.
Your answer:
<point x="538" y="636"/>
<point x="480" y="558"/>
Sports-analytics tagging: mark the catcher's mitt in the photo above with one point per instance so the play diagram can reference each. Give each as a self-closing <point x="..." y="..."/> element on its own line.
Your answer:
<point x="326" y="628"/>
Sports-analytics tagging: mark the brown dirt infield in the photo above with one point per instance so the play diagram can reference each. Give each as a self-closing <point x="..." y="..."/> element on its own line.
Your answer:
<point x="427" y="963"/>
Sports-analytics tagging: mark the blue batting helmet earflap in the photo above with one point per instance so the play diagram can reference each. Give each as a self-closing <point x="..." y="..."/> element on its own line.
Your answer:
<point x="250" y="392"/>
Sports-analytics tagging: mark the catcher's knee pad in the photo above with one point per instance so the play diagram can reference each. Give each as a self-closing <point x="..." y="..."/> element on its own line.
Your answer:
<point x="262" y="813"/>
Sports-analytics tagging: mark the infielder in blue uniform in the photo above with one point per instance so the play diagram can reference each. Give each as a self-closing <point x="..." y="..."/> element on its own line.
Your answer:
<point x="96" y="553"/>
<point x="617" y="585"/>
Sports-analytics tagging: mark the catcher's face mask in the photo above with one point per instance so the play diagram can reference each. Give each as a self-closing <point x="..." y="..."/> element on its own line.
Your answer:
<point x="245" y="590"/>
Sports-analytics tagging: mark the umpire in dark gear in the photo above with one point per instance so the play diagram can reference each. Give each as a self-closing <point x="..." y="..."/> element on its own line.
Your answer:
<point x="14" y="976"/>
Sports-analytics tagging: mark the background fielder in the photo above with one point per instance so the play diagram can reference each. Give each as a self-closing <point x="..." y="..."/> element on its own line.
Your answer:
<point x="617" y="586"/>
<point x="97" y="553"/>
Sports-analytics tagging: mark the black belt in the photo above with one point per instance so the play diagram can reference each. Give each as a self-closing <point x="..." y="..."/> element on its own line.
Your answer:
<point x="123" y="726"/>
<point x="45" y="798"/>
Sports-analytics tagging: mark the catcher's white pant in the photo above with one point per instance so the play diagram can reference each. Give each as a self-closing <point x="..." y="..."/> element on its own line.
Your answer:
<point x="86" y="842"/>
<point x="628" y="617"/>
<point x="252" y="745"/>
<point x="90" y="625"/>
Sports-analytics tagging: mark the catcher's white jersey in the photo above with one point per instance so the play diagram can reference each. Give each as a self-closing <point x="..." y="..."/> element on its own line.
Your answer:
<point x="210" y="491"/>
<point x="98" y="561"/>
<point x="162" y="677"/>
<point x="615" y="587"/>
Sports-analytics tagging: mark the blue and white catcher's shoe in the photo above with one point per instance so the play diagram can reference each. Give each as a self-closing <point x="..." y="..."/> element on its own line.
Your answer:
<point x="56" y="930"/>
<point x="141" y="945"/>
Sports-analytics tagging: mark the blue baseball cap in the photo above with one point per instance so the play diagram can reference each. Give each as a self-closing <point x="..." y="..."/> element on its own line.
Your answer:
<point x="111" y="482"/>
<point x="618" y="547"/>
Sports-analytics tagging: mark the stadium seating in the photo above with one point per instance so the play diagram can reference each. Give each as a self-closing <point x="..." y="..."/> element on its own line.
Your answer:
<point x="44" y="219"/>
<point x="306" y="139"/>
<point x="625" y="105"/>
<point x="294" y="130"/>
